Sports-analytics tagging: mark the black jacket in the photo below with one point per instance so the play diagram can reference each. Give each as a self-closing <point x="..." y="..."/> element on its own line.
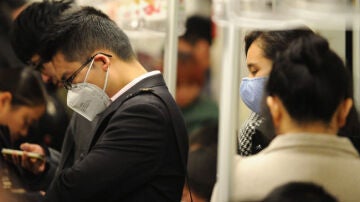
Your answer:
<point x="138" y="151"/>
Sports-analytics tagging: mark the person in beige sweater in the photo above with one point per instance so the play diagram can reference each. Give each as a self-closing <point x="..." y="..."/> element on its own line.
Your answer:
<point x="309" y="98"/>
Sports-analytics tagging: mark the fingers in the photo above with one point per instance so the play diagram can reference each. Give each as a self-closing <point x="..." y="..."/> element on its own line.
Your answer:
<point x="29" y="147"/>
<point x="24" y="159"/>
<point x="34" y="165"/>
<point x="32" y="148"/>
<point x="32" y="162"/>
<point x="13" y="158"/>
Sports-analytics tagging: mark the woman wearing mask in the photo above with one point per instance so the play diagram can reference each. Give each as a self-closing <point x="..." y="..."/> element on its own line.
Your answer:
<point x="261" y="48"/>
<point x="22" y="102"/>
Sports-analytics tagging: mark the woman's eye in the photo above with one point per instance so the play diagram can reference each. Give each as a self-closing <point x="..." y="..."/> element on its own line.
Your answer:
<point x="254" y="72"/>
<point x="26" y="123"/>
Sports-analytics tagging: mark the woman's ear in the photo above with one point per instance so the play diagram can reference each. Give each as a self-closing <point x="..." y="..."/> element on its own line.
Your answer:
<point x="344" y="110"/>
<point x="5" y="103"/>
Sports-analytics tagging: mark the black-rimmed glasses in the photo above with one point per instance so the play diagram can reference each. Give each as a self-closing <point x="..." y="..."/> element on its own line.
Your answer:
<point x="68" y="82"/>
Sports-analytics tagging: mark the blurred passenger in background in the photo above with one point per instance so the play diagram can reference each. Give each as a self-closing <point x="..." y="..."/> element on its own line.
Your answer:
<point x="206" y="136"/>
<point x="196" y="41"/>
<point x="193" y="88"/>
<point x="198" y="110"/>
<point x="201" y="166"/>
<point x="22" y="102"/>
<point x="201" y="175"/>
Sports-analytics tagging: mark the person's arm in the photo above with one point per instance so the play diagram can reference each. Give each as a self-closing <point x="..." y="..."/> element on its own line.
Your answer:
<point x="38" y="173"/>
<point x="53" y="158"/>
<point x="127" y="155"/>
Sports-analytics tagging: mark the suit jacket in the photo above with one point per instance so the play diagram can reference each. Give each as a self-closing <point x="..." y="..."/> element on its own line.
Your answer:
<point x="138" y="151"/>
<point x="327" y="160"/>
<point x="76" y="142"/>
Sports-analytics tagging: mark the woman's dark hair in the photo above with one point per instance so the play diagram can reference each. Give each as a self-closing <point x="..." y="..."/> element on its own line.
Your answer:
<point x="81" y="31"/>
<point x="310" y="79"/>
<point x="25" y="86"/>
<point x="275" y="41"/>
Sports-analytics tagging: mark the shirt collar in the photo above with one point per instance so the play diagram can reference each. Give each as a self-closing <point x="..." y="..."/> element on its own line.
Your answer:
<point x="134" y="82"/>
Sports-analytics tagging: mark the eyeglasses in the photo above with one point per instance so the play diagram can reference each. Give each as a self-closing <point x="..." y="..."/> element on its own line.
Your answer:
<point x="68" y="82"/>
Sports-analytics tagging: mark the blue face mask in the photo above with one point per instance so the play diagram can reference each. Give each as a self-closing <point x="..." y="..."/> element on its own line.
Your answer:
<point x="251" y="92"/>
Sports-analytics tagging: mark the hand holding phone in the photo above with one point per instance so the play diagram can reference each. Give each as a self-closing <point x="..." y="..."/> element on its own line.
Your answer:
<point x="32" y="161"/>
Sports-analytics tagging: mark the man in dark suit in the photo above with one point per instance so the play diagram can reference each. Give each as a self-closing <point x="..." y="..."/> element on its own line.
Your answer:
<point x="138" y="149"/>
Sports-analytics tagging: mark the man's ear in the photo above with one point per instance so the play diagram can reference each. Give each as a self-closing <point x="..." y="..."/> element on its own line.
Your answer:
<point x="103" y="61"/>
<point x="202" y="52"/>
<point x="274" y="108"/>
<point x="344" y="110"/>
<point x="202" y="45"/>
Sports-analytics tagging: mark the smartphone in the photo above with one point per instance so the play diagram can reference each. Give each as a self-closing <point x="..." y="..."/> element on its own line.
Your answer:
<point x="20" y="153"/>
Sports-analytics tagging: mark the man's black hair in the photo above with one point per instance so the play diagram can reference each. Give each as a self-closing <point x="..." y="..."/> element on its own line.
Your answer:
<point x="81" y="31"/>
<point x="29" y="26"/>
<point x="202" y="171"/>
<point x="198" y="27"/>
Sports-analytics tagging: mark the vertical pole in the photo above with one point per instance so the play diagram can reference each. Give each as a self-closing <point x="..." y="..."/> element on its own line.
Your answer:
<point x="356" y="55"/>
<point x="171" y="44"/>
<point x="229" y="100"/>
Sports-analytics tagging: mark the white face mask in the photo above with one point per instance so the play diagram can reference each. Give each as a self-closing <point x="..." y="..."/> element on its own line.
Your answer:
<point x="88" y="99"/>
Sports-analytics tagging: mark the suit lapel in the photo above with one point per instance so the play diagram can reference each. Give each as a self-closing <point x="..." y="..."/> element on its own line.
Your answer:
<point x="67" y="148"/>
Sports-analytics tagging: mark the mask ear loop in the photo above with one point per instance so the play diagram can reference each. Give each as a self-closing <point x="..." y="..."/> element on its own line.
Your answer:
<point x="106" y="78"/>
<point x="88" y="71"/>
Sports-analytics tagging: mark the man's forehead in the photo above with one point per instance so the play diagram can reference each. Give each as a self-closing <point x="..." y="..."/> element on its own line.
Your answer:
<point x="59" y="57"/>
<point x="184" y="45"/>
